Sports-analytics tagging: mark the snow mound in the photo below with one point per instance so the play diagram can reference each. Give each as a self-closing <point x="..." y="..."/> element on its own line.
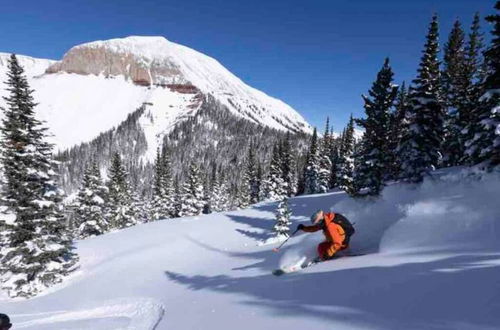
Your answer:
<point x="459" y="215"/>
<point x="119" y="314"/>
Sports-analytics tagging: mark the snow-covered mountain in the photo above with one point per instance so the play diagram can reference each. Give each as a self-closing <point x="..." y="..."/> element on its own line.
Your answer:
<point x="96" y="85"/>
<point x="432" y="262"/>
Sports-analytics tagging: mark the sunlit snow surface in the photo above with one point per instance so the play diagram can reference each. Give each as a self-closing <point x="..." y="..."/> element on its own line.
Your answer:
<point x="433" y="262"/>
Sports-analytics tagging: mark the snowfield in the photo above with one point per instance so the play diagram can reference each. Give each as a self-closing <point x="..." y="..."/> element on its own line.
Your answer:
<point x="432" y="262"/>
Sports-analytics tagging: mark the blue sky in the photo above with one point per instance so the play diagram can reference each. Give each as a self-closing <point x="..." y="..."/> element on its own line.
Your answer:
<point x="319" y="56"/>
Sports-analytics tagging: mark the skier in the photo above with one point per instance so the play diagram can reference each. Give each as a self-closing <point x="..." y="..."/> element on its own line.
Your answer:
<point x="4" y="322"/>
<point x="337" y="230"/>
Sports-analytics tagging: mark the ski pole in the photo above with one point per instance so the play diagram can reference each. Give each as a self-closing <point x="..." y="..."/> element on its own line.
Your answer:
<point x="279" y="247"/>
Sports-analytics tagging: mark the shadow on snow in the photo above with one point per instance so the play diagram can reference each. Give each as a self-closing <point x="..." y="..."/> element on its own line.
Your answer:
<point x="457" y="291"/>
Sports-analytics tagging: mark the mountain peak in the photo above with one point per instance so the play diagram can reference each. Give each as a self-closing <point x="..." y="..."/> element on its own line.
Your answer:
<point x="144" y="46"/>
<point x="155" y="61"/>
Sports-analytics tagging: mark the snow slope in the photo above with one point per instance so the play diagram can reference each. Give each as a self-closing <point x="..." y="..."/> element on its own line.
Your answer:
<point x="433" y="262"/>
<point x="96" y="85"/>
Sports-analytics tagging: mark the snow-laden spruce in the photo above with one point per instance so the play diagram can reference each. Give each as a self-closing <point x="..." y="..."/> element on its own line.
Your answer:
<point x="191" y="199"/>
<point x="35" y="246"/>
<point x="282" y="225"/>
<point x="122" y="211"/>
<point x="162" y="204"/>
<point x="483" y="147"/>
<point x="345" y="172"/>
<point x="274" y="187"/>
<point x="373" y="156"/>
<point x="421" y="145"/>
<point x="90" y="206"/>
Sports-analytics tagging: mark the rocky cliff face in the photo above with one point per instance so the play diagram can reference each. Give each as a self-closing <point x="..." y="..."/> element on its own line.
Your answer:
<point x="102" y="60"/>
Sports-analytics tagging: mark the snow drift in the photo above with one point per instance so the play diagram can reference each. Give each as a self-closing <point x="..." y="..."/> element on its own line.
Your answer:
<point x="432" y="262"/>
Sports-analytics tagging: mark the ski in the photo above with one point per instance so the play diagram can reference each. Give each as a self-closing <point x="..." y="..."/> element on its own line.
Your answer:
<point x="281" y="271"/>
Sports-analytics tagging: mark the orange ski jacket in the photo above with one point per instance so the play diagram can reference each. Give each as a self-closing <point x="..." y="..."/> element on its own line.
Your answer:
<point x="333" y="232"/>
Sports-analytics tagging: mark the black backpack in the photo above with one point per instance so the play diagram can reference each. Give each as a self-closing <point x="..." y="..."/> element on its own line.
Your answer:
<point x="342" y="221"/>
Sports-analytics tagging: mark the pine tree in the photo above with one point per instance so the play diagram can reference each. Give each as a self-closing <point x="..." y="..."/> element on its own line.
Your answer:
<point x="361" y="170"/>
<point x="251" y="176"/>
<point x="158" y="208"/>
<point x="374" y="154"/>
<point x="346" y="163"/>
<point x="397" y="130"/>
<point x="475" y="71"/>
<point x="483" y="148"/>
<point x="259" y="182"/>
<point x="335" y="159"/>
<point x="288" y="166"/>
<point x="312" y="167"/>
<point x="420" y="147"/>
<point x="283" y="213"/>
<point x="192" y="193"/>
<point x="325" y="163"/>
<point x="454" y="82"/>
<point x="168" y="184"/>
<point x="90" y="205"/>
<point x="121" y="210"/>
<point x="244" y="192"/>
<point x="220" y="195"/>
<point x="274" y="186"/>
<point x="36" y="247"/>
<point x="177" y="199"/>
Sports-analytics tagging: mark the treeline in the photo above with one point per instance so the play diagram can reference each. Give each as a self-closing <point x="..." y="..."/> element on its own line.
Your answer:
<point x="103" y="206"/>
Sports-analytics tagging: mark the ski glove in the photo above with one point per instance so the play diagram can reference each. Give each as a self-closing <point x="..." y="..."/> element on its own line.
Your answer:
<point x="300" y="227"/>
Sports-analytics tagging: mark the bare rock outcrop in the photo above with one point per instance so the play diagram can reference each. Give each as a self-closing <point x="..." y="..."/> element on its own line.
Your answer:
<point x="107" y="62"/>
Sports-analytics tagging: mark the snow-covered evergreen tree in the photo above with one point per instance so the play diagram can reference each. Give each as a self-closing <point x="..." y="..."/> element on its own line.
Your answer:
<point x="483" y="147"/>
<point x="335" y="160"/>
<point x="90" y="205"/>
<point x="346" y="163"/>
<point x="121" y="209"/>
<point x="158" y="208"/>
<point x="244" y="192"/>
<point x="283" y="213"/>
<point x="312" y="167"/>
<point x="220" y="195"/>
<point x="251" y="176"/>
<point x="361" y="170"/>
<point x="163" y="199"/>
<point x="374" y="154"/>
<point x="289" y="166"/>
<point x="192" y="200"/>
<point x="139" y="207"/>
<point x="397" y="129"/>
<point x="475" y="71"/>
<point x="207" y="194"/>
<point x="454" y="83"/>
<point x="325" y="163"/>
<point x="274" y="186"/>
<point x="421" y="145"/>
<point x="168" y="184"/>
<point x="36" y="246"/>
